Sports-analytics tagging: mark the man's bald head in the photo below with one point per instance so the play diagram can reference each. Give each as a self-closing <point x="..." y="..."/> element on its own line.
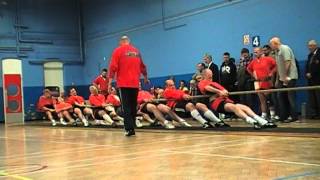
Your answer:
<point x="169" y="83"/>
<point x="207" y="74"/>
<point x="275" y="43"/>
<point x="124" y="40"/>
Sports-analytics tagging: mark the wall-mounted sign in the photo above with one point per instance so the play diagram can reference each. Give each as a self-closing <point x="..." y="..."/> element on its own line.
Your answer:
<point x="246" y="39"/>
<point x="256" y="41"/>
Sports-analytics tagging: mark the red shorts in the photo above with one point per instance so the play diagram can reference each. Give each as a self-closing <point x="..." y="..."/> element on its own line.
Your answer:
<point x="264" y="85"/>
<point x="218" y="101"/>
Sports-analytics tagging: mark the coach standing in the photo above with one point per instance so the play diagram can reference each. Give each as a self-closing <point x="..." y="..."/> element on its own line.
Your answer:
<point x="313" y="77"/>
<point x="127" y="65"/>
<point x="287" y="78"/>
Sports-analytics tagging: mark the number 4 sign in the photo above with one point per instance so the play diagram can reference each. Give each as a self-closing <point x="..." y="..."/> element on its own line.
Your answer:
<point x="256" y="41"/>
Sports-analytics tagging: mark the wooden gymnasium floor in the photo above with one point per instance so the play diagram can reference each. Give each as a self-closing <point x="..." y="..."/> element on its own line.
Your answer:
<point x="38" y="151"/>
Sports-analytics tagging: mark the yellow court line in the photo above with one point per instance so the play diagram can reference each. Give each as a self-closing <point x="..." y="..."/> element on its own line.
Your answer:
<point x="5" y="174"/>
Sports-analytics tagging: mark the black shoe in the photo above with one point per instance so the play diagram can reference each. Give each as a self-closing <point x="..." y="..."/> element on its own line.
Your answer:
<point x="269" y="125"/>
<point x="221" y="124"/>
<point x="130" y="132"/>
<point x="256" y="125"/>
<point x="317" y="117"/>
<point x="155" y="124"/>
<point x="287" y="121"/>
<point x="114" y="124"/>
<point x="206" y="125"/>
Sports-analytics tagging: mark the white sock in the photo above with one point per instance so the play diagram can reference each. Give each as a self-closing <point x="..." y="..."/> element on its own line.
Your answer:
<point x="61" y="119"/>
<point x="209" y="114"/>
<point x="272" y="113"/>
<point x="195" y="114"/>
<point x="179" y="119"/>
<point x="107" y="118"/>
<point x="264" y="115"/>
<point x="119" y="118"/>
<point x="250" y="120"/>
<point x="260" y="120"/>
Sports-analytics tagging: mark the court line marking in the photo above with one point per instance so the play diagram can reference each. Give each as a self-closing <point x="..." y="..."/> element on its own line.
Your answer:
<point x="94" y="146"/>
<point x="251" y="158"/>
<point x="92" y="149"/>
<point x="5" y="174"/>
<point x="72" y="149"/>
<point x="57" y="142"/>
<point x="294" y="176"/>
<point x="245" y="157"/>
<point x="163" y="153"/>
<point x="108" y="157"/>
<point x="105" y="145"/>
<point x="272" y="140"/>
<point x="92" y="164"/>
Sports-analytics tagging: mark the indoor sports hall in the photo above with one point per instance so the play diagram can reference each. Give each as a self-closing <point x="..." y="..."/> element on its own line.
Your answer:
<point x="160" y="89"/>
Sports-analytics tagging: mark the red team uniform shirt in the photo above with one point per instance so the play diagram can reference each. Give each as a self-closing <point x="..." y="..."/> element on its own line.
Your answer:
<point x="173" y="95"/>
<point x="144" y="96"/>
<point x="262" y="68"/>
<point x="75" y="99"/>
<point x="216" y="101"/>
<point x="97" y="100"/>
<point x="127" y="64"/>
<point x="45" y="102"/>
<point x="114" y="100"/>
<point x="102" y="84"/>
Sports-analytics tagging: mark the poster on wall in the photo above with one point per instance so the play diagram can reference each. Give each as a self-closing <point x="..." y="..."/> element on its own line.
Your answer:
<point x="12" y="87"/>
<point x="246" y="39"/>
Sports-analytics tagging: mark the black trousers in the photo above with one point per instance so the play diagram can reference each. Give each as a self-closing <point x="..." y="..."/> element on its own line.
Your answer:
<point x="128" y="98"/>
<point x="314" y="102"/>
<point x="287" y="101"/>
<point x="275" y="102"/>
<point x="250" y="100"/>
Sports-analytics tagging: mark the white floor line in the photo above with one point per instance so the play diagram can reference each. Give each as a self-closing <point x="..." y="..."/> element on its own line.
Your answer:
<point x="59" y="142"/>
<point x="250" y="158"/>
<point x="97" y="163"/>
<point x="48" y="154"/>
<point x="106" y="145"/>
<point x="248" y="142"/>
<point x="154" y="141"/>
<point x="40" y="152"/>
<point x="155" y="151"/>
<point x="108" y="157"/>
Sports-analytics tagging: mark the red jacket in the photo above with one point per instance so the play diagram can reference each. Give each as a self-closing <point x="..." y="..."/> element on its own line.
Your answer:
<point x="173" y="95"/>
<point x="114" y="100"/>
<point x="75" y="99"/>
<point x="127" y="65"/>
<point x="97" y="100"/>
<point x="144" y="95"/>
